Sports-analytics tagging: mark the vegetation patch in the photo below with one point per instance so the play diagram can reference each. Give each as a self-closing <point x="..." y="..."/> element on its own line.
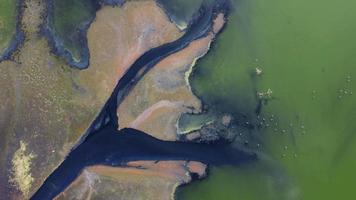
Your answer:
<point x="21" y="169"/>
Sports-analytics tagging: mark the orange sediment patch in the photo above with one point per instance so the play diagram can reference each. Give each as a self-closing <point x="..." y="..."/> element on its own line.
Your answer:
<point x="169" y="170"/>
<point x="219" y="22"/>
<point x="197" y="167"/>
<point x="148" y="113"/>
<point x="153" y="180"/>
<point x="119" y="36"/>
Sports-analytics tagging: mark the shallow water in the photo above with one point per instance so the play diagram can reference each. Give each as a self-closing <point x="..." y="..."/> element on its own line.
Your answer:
<point x="180" y="11"/>
<point x="68" y="21"/>
<point x="305" y="50"/>
<point x="8" y="14"/>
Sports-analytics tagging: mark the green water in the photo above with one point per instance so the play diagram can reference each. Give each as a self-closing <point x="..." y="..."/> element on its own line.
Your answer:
<point x="306" y="52"/>
<point x="181" y="11"/>
<point x="68" y="17"/>
<point x="7" y="22"/>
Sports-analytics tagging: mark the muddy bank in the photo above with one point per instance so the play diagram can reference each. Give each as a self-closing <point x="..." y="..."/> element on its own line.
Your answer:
<point x="156" y="103"/>
<point x="47" y="105"/>
<point x="149" y="180"/>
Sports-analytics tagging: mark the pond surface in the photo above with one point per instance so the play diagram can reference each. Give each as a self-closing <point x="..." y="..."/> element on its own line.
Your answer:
<point x="8" y="16"/>
<point x="305" y="130"/>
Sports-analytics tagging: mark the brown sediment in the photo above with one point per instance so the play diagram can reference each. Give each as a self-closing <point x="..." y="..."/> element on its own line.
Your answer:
<point x="148" y="179"/>
<point x="146" y="108"/>
<point x="219" y="22"/>
<point x="197" y="168"/>
<point x="82" y="188"/>
<point x="152" y="111"/>
<point x="48" y="105"/>
<point x="118" y="37"/>
<point x="159" y="116"/>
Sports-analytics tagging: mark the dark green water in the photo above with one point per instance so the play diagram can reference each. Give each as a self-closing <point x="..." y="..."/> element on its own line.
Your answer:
<point x="180" y="11"/>
<point x="7" y="23"/>
<point x="68" y="20"/>
<point x="306" y="52"/>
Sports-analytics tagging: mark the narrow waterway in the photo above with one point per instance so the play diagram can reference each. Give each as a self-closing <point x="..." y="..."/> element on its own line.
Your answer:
<point x="115" y="148"/>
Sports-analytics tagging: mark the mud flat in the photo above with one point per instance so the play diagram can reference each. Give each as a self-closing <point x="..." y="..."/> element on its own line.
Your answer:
<point x="47" y="105"/>
<point x="153" y="180"/>
<point x="115" y="148"/>
<point x="155" y="104"/>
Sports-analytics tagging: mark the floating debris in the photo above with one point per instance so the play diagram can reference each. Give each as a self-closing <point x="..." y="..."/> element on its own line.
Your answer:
<point x="258" y="71"/>
<point x="265" y="95"/>
<point x="226" y="120"/>
<point x="348" y="78"/>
